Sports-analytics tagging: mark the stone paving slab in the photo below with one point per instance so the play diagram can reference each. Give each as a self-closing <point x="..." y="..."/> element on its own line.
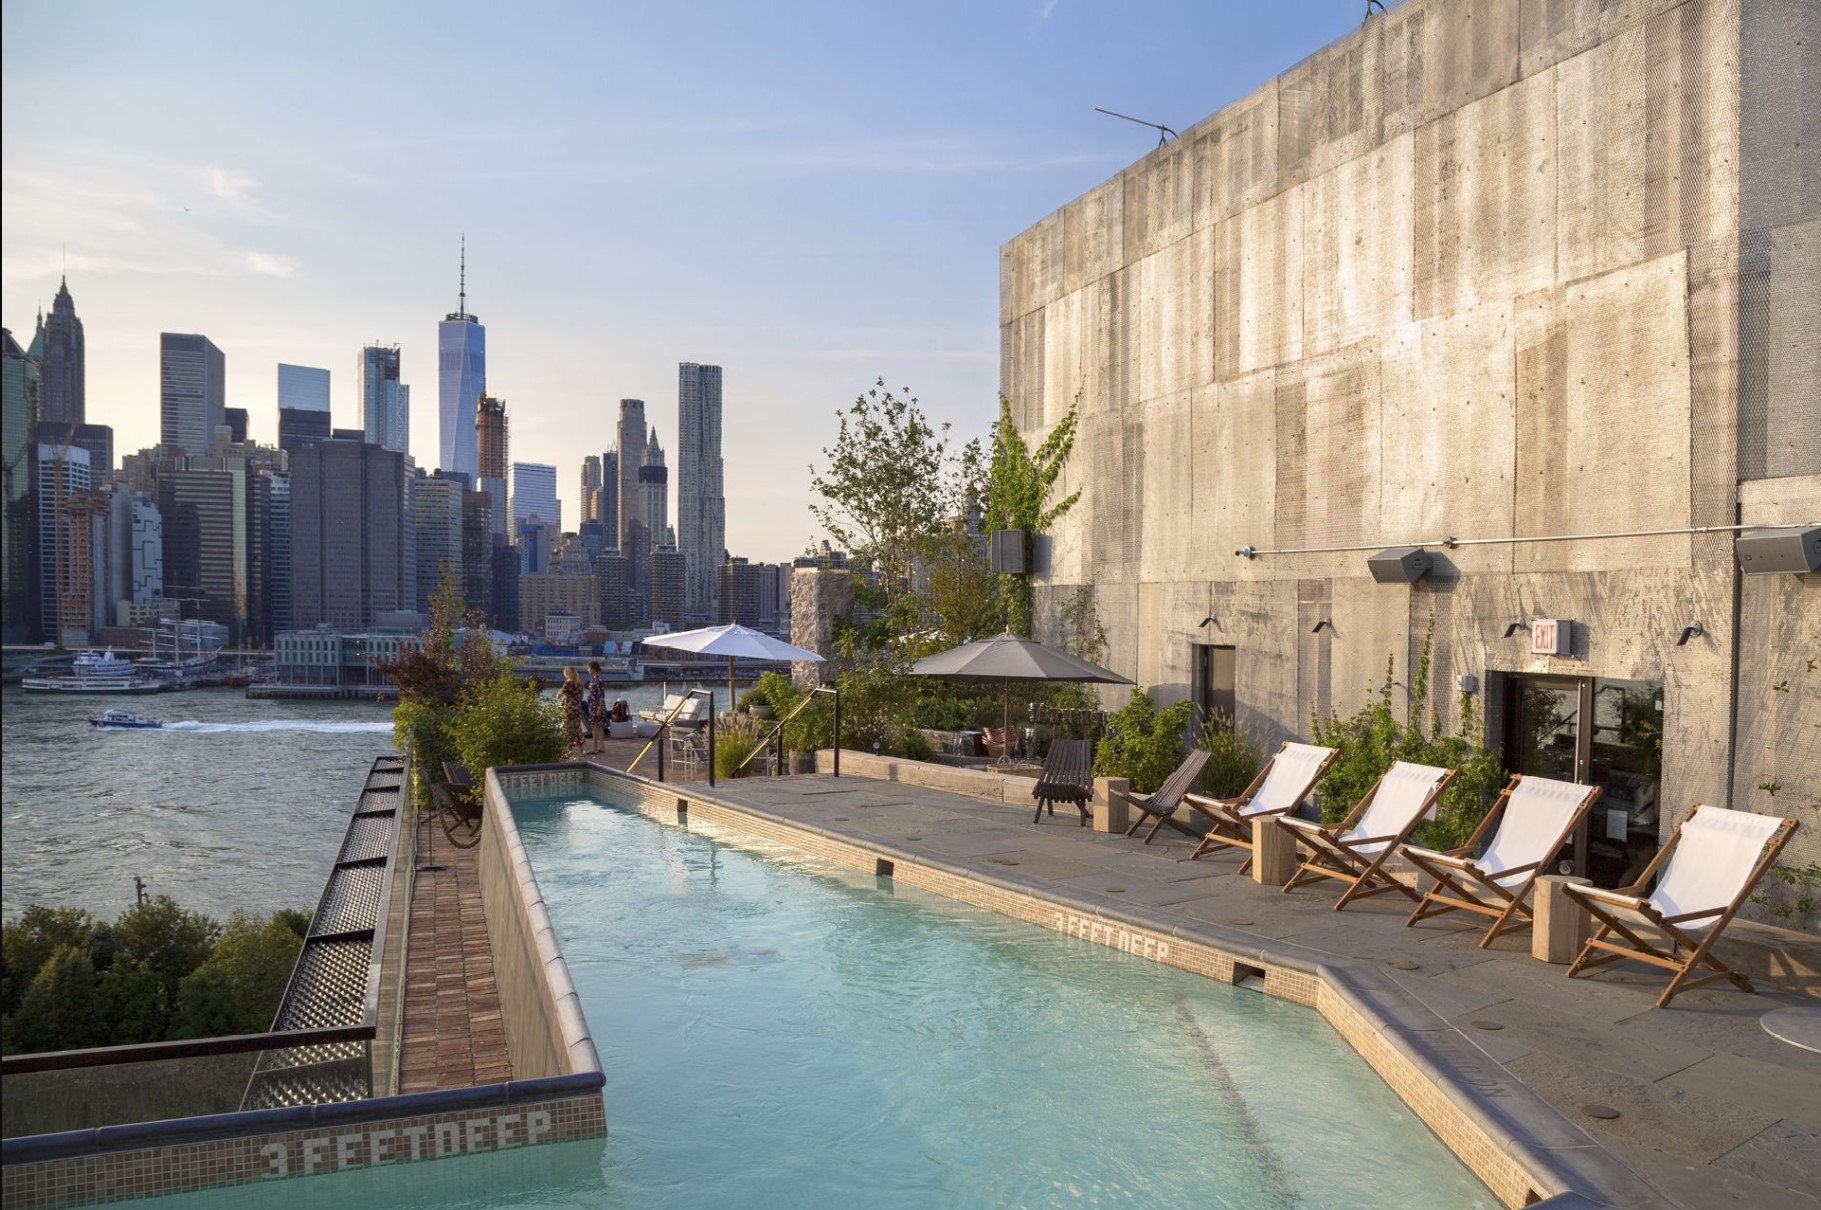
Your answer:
<point x="1683" y="1079"/>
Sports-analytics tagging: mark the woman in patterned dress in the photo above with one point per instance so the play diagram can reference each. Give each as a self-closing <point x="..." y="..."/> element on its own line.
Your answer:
<point x="594" y="711"/>
<point x="569" y="695"/>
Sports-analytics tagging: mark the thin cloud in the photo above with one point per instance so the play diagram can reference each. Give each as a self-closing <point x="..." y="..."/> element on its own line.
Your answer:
<point x="271" y="265"/>
<point x="230" y="186"/>
<point x="957" y="355"/>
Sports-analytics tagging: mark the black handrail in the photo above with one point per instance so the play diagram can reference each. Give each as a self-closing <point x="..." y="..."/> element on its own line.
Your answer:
<point x="189" y="1048"/>
<point x="777" y="731"/>
<point x="664" y="727"/>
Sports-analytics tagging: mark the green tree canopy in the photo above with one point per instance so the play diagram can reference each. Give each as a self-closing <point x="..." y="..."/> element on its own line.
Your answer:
<point x="240" y="986"/>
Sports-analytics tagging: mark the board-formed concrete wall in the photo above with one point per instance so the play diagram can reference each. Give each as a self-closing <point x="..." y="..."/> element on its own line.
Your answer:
<point x="1483" y="269"/>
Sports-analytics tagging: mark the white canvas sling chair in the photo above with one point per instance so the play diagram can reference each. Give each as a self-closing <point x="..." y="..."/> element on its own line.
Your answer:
<point x="1703" y="875"/>
<point x="1529" y="822"/>
<point x="1355" y="849"/>
<point x="1280" y="786"/>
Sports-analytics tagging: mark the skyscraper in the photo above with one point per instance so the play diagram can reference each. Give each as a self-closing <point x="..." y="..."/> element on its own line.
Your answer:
<point x="654" y="492"/>
<point x="61" y="397"/>
<point x="534" y="493"/>
<point x="436" y="506"/>
<point x="385" y="402"/>
<point x="632" y="447"/>
<point x="609" y="515"/>
<point x="701" y="502"/>
<point x="303" y="406"/>
<point x="591" y="488"/>
<point x="492" y="448"/>
<point x="192" y="387"/>
<point x="461" y="345"/>
<point x="665" y="576"/>
<point x="63" y="474"/>
<point x="19" y="392"/>
<point x="353" y="540"/>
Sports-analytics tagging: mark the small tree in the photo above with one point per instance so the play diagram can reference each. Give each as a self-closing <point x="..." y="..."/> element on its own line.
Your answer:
<point x="502" y="721"/>
<point x="61" y="1008"/>
<point x="169" y="942"/>
<point x="239" y="988"/>
<point x="1018" y="487"/>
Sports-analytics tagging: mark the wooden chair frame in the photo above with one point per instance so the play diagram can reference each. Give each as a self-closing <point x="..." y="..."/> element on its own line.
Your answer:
<point x="1164" y="801"/>
<point x="1067" y="777"/>
<point x="1695" y="947"/>
<point x="1334" y="857"/>
<point x="1228" y="824"/>
<point x="1509" y="909"/>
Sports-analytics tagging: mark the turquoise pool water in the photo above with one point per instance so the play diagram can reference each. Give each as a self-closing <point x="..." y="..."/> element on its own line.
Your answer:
<point x="780" y="1031"/>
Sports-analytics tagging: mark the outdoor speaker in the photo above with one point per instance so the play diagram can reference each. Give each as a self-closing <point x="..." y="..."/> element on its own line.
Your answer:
<point x="1007" y="552"/>
<point x="1771" y="550"/>
<point x="1400" y="565"/>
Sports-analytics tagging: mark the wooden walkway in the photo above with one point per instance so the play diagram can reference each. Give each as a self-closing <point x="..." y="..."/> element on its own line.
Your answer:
<point x="454" y="1036"/>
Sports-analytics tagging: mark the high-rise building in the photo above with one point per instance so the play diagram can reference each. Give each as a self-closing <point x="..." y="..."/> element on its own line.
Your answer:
<point x="461" y="345"/>
<point x="668" y="587"/>
<point x="248" y="610"/>
<point x="701" y="500"/>
<point x="615" y="582"/>
<point x="738" y="593"/>
<point x="654" y="492"/>
<point x="534" y="493"/>
<point x="385" y="402"/>
<point x="436" y="506"/>
<point x="504" y="589"/>
<point x="235" y="421"/>
<point x="63" y="474"/>
<point x="353" y="540"/>
<point x="204" y="566"/>
<point x="591" y="489"/>
<point x="192" y="387"/>
<point x="609" y="515"/>
<point x="97" y="439"/>
<point x="493" y="445"/>
<point x="477" y="552"/>
<point x="632" y="452"/>
<point x="21" y="610"/>
<point x="62" y="394"/>
<point x="145" y="564"/>
<point x="303" y="406"/>
<point x="278" y="489"/>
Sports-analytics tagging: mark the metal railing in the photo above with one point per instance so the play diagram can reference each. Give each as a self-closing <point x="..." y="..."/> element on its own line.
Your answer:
<point x="776" y="734"/>
<point x="664" y="733"/>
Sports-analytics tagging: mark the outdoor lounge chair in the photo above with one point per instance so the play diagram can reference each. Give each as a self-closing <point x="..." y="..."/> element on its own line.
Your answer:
<point x="1354" y="850"/>
<point x="1279" y="787"/>
<point x="1067" y="777"/>
<point x="1529" y="822"/>
<point x="660" y="713"/>
<point x="1162" y="803"/>
<point x="1705" y="872"/>
<point x="459" y="811"/>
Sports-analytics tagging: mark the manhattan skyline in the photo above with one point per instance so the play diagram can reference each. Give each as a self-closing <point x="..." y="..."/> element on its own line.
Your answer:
<point x="811" y="198"/>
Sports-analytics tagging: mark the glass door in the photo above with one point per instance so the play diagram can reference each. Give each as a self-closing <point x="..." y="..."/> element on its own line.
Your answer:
<point x="1600" y="732"/>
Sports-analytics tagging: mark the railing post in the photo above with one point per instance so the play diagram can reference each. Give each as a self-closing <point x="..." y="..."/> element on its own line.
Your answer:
<point x="663" y="737"/>
<point x="837" y="693"/>
<point x="711" y="739"/>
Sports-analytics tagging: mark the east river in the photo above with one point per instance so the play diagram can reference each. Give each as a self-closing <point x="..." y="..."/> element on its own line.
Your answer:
<point x="234" y="803"/>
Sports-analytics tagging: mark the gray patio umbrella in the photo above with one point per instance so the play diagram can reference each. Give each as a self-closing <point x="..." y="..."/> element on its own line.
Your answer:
<point x="1008" y="657"/>
<point x="735" y="642"/>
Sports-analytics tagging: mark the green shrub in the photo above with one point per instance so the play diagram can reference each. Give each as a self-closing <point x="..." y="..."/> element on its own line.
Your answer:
<point x="912" y="746"/>
<point x="1372" y="739"/>
<point x="500" y="721"/>
<point x="238" y="989"/>
<point x="1143" y="743"/>
<point x="1234" y="756"/>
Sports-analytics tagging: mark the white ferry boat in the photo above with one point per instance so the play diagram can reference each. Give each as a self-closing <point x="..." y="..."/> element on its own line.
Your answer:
<point x="94" y="672"/>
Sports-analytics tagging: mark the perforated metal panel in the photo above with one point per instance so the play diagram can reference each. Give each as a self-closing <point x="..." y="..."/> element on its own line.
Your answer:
<point x="368" y="837"/>
<point x="329" y="986"/>
<point x="352" y="900"/>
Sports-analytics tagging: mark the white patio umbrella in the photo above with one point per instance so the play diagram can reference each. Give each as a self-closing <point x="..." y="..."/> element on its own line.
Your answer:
<point x="735" y="642"/>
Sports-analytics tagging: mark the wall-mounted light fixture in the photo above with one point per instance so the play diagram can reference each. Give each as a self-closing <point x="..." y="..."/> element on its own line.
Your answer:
<point x="1317" y="628"/>
<point x="1210" y="620"/>
<point x="1519" y="624"/>
<point x="1400" y="565"/>
<point x="1693" y="630"/>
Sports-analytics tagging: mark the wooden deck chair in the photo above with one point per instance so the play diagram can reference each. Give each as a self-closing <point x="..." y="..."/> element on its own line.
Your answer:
<point x="1704" y="873"/>
<point x="1162" y="803"/>
<point x="1354" y="850"/>
<point x="1067" y="777"/>
<point x="1284" y="782"/>
<point x="1529" y="822"/>
<point x="460" y="815"/>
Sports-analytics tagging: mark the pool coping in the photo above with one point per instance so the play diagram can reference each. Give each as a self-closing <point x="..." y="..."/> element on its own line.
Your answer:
<point x="1521" y="1147"/>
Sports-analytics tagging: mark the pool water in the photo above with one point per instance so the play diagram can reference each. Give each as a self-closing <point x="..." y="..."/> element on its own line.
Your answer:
<point x="778" y="1030"/>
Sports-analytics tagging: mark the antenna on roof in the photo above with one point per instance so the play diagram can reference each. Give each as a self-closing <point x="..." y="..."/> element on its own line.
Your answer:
<point x="462" y="305"/>
<point x="1164" y="133"/>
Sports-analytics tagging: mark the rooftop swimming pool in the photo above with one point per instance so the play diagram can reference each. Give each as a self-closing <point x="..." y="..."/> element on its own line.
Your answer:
<point x="779" y="1030"/>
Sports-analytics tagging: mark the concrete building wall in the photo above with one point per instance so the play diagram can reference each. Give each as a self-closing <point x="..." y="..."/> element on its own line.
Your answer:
<point x="1479" y="270"/>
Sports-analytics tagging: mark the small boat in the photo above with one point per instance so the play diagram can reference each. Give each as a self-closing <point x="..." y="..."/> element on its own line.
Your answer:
<point x="122" y="720"/>
<point x="93" y="672"/>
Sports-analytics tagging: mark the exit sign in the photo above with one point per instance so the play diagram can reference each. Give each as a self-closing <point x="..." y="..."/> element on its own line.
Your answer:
<point x="1549" y="636"/>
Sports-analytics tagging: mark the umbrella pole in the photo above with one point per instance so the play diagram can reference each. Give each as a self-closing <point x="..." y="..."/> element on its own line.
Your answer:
<point x="1006" y="755"/>
<point x="730" y="695"/>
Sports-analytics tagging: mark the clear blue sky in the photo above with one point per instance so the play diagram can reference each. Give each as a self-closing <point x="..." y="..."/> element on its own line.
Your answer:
<point x="810" y="195"/>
